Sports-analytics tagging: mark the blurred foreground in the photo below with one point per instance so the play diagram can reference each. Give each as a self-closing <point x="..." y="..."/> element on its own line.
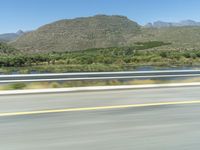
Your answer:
<point x="150" y="128"/>
<point x="160" y="127"/>
<point x="65" y="84"/>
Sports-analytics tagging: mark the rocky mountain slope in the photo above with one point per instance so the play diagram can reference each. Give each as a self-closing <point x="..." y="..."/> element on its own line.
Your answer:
<point x="107" y="31"/>
<point x="81" y="33"/>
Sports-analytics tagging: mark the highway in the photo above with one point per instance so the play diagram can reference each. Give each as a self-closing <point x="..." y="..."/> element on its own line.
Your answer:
<point x="98" y="120"/>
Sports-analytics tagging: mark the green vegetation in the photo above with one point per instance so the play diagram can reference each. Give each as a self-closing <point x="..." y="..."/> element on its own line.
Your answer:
<point x="102" y="59"/>
<point x="6" y="49"/>
<point x="181" y="38"/>
<point x="123" y="55"/>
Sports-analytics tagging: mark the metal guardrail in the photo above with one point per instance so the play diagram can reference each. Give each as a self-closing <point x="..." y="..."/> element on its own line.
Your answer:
<point x="97" y="76"/>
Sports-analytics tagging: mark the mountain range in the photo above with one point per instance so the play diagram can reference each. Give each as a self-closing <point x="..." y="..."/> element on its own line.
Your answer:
<point x="102" y="31"/>
<point x="7" y="37"/>
<point x="161" y="24"/>
<point x="99" y="31"/>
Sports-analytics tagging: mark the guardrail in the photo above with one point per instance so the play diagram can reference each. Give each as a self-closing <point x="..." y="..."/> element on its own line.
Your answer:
<point x="97" y="76"/>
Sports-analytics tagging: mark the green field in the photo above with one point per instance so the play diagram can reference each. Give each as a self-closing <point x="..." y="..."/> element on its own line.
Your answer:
<point x="102" y="59"/>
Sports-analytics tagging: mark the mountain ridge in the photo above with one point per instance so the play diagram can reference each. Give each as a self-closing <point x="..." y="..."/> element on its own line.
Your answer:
<point x="81" y="33"/>
<point x="7" y="37"/>
<point x="103" y="31"/>
<point x="183" y="23"/>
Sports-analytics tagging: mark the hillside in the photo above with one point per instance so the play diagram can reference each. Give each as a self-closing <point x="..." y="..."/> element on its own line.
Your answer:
<point x="103" y="31"/>
<point x="6" y="49"/>
<point x="81" y="33"/>
<point x="181" y="38"/>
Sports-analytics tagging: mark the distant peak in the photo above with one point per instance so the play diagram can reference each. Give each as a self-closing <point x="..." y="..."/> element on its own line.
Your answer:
<point x="160" y="24"/>
<point x="19" y="32"/>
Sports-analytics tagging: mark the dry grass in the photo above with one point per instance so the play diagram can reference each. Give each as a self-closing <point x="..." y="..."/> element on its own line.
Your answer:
<point x="46" y="85"/>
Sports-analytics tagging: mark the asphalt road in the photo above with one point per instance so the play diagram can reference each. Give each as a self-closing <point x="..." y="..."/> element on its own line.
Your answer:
<point x="163" y="127"/>
<point x="16" y="103"/>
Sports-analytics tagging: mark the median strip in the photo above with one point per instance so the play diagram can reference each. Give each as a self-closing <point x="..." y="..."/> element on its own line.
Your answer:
<point x="96" y="108"/>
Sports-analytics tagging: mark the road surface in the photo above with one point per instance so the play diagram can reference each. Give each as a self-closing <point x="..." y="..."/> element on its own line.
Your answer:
<point x="166" y="127"/>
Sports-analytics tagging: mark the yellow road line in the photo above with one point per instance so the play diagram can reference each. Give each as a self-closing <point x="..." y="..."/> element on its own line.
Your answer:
<point x="96" y="108"/>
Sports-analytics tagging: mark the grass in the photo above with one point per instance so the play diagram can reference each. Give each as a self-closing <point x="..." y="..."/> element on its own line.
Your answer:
<point x="101" y="59"/>
<point x="47" y="85"/>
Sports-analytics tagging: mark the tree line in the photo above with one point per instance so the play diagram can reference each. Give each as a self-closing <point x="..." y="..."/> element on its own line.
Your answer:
<point x="114" y="55"/>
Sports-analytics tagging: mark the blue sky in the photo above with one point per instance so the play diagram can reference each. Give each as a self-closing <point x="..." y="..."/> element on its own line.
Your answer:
<point x="30" y="14"/>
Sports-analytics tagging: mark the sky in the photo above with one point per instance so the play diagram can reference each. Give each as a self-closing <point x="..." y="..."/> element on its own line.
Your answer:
<point x="31" y="14"/>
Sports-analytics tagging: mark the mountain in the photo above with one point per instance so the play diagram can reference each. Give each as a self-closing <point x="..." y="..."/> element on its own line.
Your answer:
<point x="80" y="33"/>
<point x="181" y="38"/>
<point x="188" y="23"/>
<point x="103" y="31"/>
<point x="7" y="37"/>
<point x="161" y="24"/>
<point x="20" y="32"/>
